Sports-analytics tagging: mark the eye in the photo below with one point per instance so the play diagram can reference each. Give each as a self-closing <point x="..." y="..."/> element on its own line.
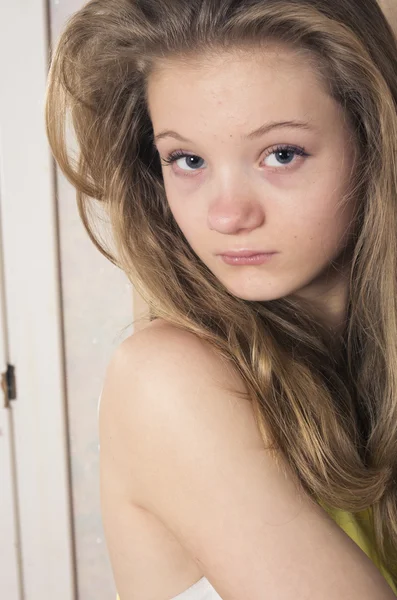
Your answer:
<point x="191" y="161"/>
<point x="283" y="156"/>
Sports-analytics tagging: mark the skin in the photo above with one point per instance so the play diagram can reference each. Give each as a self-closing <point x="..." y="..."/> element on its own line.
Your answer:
<point x="241" y="193"/>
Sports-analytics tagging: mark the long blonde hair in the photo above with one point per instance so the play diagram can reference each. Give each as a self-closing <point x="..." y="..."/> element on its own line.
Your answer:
<point x="331" y="409"/>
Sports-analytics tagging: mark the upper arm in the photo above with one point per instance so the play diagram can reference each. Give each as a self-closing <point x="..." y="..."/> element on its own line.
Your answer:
<point x="193" y="456"/>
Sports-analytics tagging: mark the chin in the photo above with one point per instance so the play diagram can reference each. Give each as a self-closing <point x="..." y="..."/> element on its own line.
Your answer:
<point x="264" y="287"/>
<point x="257" y="295"/>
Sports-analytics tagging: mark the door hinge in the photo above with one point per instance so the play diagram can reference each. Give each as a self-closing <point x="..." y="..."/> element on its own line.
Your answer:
<point x="8" y="384"/>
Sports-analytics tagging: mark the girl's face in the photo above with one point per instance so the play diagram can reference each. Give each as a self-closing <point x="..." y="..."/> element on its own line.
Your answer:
<point x="263" y="160"/>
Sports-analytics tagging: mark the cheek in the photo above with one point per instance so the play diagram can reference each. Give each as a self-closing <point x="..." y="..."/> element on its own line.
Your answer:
<point x="320" y="227"/>
<point x="189" y="222"/>
<point x="186" y="210"/>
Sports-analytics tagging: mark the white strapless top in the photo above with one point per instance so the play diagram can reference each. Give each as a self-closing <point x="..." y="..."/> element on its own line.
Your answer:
<point x="201" y="590"/>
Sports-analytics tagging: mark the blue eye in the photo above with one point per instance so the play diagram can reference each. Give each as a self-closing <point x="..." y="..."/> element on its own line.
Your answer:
<point x="283" y="156"/>
<point x="191" y="161"/>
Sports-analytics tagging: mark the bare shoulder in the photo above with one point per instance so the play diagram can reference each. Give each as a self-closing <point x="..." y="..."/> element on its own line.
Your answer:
<point x="188" y="451"/>
<point x="169" y="370"/>
<point x="163" y="357"/>
<point x="162" y="344"/>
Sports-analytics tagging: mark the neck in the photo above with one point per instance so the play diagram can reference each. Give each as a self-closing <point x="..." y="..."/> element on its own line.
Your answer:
<point x="329" y="297"/>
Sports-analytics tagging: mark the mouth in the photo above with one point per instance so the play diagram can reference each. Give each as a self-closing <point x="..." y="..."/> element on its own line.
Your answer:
<point x="250" y="259"/>
<point x="244" y="252"/>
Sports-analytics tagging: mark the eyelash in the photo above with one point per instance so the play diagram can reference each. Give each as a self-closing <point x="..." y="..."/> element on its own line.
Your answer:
<point x="174" y="156"/>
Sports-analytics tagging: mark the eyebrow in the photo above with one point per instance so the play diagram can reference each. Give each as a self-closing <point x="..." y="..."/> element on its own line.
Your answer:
<point x="250" y="136"/>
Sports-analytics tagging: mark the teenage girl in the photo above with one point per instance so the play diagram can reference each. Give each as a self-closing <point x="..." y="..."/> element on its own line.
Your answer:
<point x="246" y="154"/>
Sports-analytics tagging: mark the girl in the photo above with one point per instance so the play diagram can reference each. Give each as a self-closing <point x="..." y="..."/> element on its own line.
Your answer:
<point x="246" y="153"/>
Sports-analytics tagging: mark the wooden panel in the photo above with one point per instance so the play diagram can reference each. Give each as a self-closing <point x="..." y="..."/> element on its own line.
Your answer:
<point x="31" y="275"/>
<point x="10" y="574"/>
<point x="96" y="316"/>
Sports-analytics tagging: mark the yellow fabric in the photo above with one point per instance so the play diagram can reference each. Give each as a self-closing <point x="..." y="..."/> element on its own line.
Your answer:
<point x="359" y="528"/>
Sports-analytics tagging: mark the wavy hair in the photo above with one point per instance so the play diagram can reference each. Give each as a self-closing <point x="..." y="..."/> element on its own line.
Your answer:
<point x="328" y="405"/>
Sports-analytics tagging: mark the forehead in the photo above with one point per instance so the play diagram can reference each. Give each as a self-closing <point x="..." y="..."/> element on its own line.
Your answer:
<point x="238" y="87"/>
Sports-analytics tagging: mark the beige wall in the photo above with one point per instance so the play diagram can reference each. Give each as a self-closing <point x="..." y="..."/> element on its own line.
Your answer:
<point x="97" y="309"/>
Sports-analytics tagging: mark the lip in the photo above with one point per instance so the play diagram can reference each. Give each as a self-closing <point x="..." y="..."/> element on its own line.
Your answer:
<point x="252" y="259"/>
<point x="244" y="253"/>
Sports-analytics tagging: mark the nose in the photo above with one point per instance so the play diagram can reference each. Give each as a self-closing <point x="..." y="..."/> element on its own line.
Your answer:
<point x="235" y="211"/>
